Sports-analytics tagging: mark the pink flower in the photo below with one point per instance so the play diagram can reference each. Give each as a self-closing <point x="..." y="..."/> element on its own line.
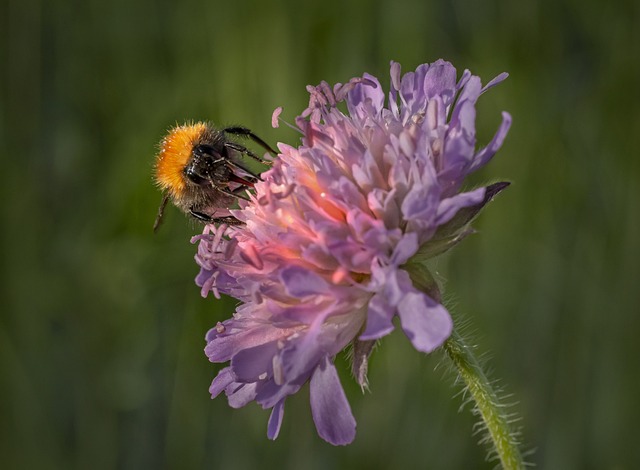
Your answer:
<point x="322" y="259"/>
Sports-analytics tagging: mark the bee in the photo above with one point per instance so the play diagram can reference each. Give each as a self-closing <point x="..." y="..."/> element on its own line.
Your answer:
<point x="200" y="169"/>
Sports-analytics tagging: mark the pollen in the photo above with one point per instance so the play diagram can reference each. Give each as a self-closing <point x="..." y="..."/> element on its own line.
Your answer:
<point x="174" y="154"/>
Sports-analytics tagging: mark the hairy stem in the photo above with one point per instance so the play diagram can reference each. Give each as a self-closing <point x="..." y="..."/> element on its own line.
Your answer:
<point x="486" y="402"/>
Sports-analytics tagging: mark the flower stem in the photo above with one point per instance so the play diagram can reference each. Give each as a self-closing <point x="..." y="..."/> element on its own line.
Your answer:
<point x="486" y="401"/>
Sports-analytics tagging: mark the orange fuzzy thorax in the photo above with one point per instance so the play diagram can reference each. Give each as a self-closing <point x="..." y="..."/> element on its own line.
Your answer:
<point x="175" y="151"/>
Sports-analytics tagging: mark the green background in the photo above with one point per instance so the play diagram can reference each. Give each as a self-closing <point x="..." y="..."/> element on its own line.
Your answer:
<point x="101" y="326"/>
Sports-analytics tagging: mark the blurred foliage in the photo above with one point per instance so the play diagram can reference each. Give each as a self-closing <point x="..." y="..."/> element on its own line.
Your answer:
<point x="101" y="326"/>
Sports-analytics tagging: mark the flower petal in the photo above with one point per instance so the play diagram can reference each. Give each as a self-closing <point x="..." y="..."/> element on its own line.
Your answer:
<point x="405" y="249"/>
<point x="379" y="318"/>
<point x="222" y="381"/>
<point x="500" y="78"/>
<point x="329" y="406"/>
<point x="365" y="98"/>
<point x="440" y="79"/>
<point x="241" y="395"/>
<point x="275" y="420"/>
<point x="486" y="153"/>
<point x="425" y="322"/>
<point x="300" y="282"/>
<point x="251" y="364"/>
<point x="465" y="214"/>
<point x="449" y="207"/>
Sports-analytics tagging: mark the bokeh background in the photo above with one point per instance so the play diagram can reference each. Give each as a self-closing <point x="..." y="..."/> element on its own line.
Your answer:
<point x="101" y="325"/>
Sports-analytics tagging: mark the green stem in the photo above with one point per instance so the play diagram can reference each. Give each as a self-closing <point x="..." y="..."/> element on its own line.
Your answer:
<point x="486" y="401"/>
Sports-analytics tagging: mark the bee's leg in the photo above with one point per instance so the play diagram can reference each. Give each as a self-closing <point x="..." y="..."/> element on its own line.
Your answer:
<point x="244" y="132"/>
<point x="200" y="216"/>
<point x="236" y="165"/>
<point x="158" y="221"/>
<point x="244" y="150"/>
<point x="229" y="220"/>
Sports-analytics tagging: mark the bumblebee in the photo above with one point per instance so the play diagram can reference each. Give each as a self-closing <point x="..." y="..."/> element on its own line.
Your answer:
<point x="200" y="169"/>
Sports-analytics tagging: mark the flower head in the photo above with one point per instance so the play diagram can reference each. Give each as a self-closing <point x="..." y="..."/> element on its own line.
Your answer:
<point x="322" y="257"/>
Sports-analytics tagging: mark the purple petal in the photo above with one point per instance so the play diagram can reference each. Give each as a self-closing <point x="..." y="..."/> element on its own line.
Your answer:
<point x="222" y="381"/>
<point x="270" y="393"/>
<point x="397" y="285"/>
<point x="463" y="123"/>
<point x="221" y="349"/>
<point x="486" y="153"/>
<point x="450" y="206"/>
<point x="500" y="78"/>
<point x="251" y="363"/>
<point x="440" y="79"/>
<point x="466" y="75"/>
<point x="329" y="406"/>
<point x="460" y="139"/>
<point x="379" y="318"/>
<point x="470" y="92"/>
<point x="405" y="249"/>
<point x="275" y="420"/>
<point x="365" y="96"/>
<point x="425" y="322"/>
<point x="300" y="358"/>
<point x="300" y="282"/>
<point x="242" y="395"/>
<point x="421" y="202"/>
<point x="465" y="215"/>
<point x="237" y="334"/>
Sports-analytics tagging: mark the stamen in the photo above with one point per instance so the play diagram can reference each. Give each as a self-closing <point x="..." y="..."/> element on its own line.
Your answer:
<point x="278" y="372"/>
<point x="432" y="114"/>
